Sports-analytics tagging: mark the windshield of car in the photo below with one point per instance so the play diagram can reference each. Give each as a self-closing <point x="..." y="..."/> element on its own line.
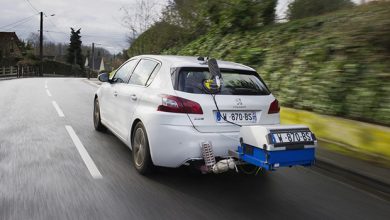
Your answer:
<point x="235" y="82"/>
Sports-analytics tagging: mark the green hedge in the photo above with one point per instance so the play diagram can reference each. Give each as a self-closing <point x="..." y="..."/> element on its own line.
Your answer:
<point x="335" y="64"/>
<point x="59" y="68"/>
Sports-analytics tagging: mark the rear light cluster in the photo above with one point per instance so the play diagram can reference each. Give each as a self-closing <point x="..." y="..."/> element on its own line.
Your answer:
<point x="179" y="105"/>
<point x="274" y="107"/>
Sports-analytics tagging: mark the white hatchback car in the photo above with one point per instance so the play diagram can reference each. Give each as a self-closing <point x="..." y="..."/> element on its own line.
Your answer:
<point x="157" y="106"/>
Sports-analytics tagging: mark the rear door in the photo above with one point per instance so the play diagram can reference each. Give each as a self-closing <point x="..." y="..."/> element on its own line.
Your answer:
<point x="244" y="100"/>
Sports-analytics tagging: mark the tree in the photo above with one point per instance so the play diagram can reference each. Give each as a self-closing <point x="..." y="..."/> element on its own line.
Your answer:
<point x="33" y="41"/>
<point x="74" y="55"/>
<point x="306" y="8"/>
<point x="226" y="15"/>
<point x="185" y="20"/>
<point x="139" y="16"/>
<point x="147" y="43"/>
<point x="243" y="15"/>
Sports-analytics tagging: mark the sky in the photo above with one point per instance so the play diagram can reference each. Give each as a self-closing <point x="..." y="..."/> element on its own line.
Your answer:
<point x="100" y="20"/>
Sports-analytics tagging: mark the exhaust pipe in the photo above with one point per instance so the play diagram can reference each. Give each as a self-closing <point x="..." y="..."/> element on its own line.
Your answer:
<point x="210" y="162"/>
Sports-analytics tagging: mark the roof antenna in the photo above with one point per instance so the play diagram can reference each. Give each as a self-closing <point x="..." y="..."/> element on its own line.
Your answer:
<point x="203" y="60"/>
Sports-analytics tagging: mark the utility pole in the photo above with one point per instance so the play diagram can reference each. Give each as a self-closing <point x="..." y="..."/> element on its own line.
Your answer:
<point x="93" y="59"/>
<point x="41" y="46"/>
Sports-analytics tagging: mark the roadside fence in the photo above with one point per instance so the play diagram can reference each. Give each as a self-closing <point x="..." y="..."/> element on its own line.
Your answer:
<point x="18" y="71"/>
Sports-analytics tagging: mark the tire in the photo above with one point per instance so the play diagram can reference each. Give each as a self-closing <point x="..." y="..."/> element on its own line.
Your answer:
<point x="141" y="152"/>
<point x="96" y="117"/>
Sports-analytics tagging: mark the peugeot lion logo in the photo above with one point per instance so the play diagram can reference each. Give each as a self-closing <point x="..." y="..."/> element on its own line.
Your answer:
<point x="238" y="101"/>
<point x="239" y="104"/>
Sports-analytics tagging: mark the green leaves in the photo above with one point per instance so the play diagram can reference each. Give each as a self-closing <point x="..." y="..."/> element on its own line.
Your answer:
<point x="243" y="15"/>
<point x="336" y="64"/>
<point x="185" y="20"/>
<point x="306" y="8"/>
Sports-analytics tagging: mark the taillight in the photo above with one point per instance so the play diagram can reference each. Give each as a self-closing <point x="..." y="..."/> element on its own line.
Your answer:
<point x="274" y="108"/>
<point x="179" y="105"/>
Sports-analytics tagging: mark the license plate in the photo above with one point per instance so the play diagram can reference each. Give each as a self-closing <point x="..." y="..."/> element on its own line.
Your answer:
<point x="292" y="137"/>
<point x="236" y="117"/>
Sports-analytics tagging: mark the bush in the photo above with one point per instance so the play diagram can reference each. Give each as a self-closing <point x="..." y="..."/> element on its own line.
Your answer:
<point x="335" y="64"/>
<point x="306" y="8"/>
<point x="64" y="69"/>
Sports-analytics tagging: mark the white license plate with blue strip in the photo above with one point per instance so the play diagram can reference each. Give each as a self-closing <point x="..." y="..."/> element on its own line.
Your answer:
<point x="292" y="137"/>
<point x="236" y="117"/>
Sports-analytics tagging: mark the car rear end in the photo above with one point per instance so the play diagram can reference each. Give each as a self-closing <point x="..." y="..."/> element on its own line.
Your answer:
<point x="244" y="99"/>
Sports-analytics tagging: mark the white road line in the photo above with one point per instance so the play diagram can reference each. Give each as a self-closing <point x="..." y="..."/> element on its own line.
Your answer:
<point x="48" y="93"/>
<point x="45" y="84"/>
<point x="84" y="153"/>
<point x="59" y="111"/>
<point x="92" y="84"/>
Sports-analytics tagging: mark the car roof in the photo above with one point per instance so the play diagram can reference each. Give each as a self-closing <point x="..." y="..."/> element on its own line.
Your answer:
<point x="192" y="61"/>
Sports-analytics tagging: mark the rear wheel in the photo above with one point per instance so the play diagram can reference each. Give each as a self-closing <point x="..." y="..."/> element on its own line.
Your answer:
<point x="96" y="117"/>
<point x="141" y="152"/>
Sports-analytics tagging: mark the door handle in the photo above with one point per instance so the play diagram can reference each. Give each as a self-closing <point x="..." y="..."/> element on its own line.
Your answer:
<point x="115" y="93"/>
<point x="134" y="97"/>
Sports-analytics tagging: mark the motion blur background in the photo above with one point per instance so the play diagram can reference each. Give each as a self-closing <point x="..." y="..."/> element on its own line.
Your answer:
<point x="326" y="61"/>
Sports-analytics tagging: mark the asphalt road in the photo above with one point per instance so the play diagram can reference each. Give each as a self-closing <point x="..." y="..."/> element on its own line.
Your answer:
<point x="43" y="175"/>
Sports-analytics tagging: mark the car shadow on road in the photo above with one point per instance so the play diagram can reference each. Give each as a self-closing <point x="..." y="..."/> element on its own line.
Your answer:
<point x="239" y="193"/>
<point x="244" y="194"/>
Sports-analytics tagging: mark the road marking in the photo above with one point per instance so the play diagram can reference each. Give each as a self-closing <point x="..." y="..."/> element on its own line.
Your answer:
<point x="59" y="111"/>
<point x="45" y="84"/>
<point x="84" y="154"/>
<point x="48" y="93"/>
<point x="91" y="83"/>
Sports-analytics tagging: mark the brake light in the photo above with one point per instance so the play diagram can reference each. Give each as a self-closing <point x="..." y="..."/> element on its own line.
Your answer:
<point x="274" y="107"/>
<point x="179" y="105"/>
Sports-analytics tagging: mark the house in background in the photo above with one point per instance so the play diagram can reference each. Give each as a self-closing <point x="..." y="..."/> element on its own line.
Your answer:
<point x="10" y="49"/>
<point x="99" y="64"/>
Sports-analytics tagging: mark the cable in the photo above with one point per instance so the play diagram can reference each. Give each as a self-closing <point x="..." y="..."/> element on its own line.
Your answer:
<point x="21" y="20"/>
<point x="251" y="172"/>
<point x="20" y="23"/>
<point x="87" y="35"/>
<point x="50" y="37"/>
<point x="32" y="6"/>
<point x="55" y="26"/>
<point x="212" y="91"/>
<point x="219" y="112"/>
<point x="57" y="32"/>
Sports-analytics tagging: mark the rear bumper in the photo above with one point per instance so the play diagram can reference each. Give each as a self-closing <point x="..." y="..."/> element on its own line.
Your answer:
<point x="172" y="145"/>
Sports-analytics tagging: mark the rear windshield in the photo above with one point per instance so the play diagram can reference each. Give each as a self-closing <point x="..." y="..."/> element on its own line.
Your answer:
<point x="235" y="82"/>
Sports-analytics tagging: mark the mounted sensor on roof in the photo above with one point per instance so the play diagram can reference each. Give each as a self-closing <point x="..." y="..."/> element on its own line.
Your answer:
<point x="214" y="84"/>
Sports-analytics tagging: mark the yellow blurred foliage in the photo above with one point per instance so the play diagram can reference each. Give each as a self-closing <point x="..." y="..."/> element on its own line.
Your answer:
<point x="358" y="136"/>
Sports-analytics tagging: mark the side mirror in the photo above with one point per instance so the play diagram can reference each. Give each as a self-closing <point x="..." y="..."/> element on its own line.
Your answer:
<point x="103" y="77"/>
